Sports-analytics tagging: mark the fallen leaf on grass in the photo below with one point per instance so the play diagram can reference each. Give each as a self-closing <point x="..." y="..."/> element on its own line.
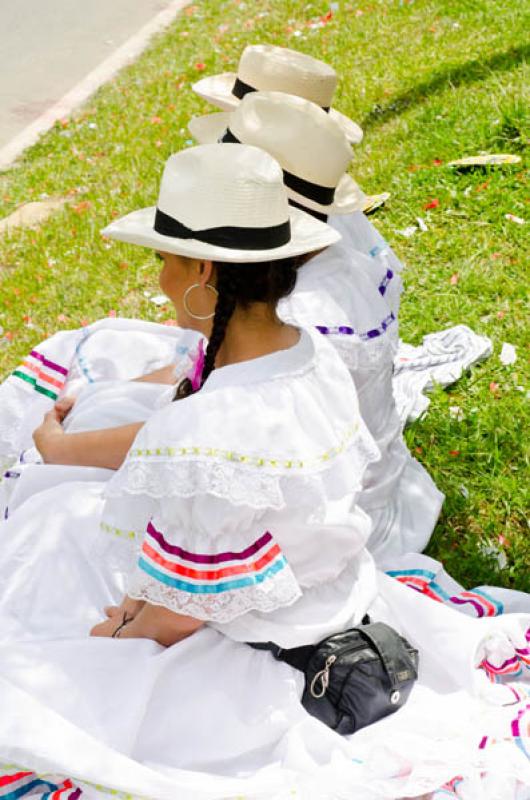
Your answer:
<point x="494" y="387"/>
<point x="454" y="453"/>
<point x="81" y="207"/>
<point x="486" y="160"/>
<point x="431" y="204"/>
<point x="375" y="201"/>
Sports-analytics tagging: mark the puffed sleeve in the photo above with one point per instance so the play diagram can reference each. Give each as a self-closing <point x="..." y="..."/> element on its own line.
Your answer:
<point x="208" y="559"/>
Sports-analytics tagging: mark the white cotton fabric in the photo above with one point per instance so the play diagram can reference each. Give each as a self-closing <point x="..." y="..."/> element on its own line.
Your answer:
<point x="364" y="238"/>
<point x="107" y="350"/>
<point x="99" y="364"/>
<point x="212" y="718"/>
<point x="439" y="360"/>
<point x="339" y="291"/>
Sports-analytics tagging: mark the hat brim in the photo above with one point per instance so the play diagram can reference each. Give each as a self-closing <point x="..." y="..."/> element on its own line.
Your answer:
<point x="217" y="89"/>
<point x="307" y="235"/>
<point x="348" y="197"/>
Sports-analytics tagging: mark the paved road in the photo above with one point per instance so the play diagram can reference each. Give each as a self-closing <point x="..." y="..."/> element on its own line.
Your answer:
<point x="48" y="46"/>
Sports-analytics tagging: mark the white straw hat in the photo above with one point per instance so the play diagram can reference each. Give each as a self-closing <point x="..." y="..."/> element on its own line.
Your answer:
<point x="266" y="68"/>
<point x="307" y="143"/>
<point x="223" y="203"/>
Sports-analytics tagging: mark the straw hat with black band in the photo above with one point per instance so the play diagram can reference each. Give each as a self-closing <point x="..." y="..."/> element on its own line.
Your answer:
<point x="267" y="68"/>
<point x="223" y="203"/>
<point x="308" y="144"/>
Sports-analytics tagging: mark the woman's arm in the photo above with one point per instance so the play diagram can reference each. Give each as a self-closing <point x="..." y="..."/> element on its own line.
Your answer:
<point x="163" y="375"/>
<point x="104" y="448"/>
<point x="150" y="622"/>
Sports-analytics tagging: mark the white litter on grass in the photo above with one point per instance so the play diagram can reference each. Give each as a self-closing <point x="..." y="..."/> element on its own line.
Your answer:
<point x="513" y="218"/>
<point x="496" y="553"/>
<point x="456" y="413"/>
<point x="421" y="224"/>
<point x="464" y="491"/>
<point x="508" y="354"/>
<point x="159" y="300"/>
<point x="408" y="232"/>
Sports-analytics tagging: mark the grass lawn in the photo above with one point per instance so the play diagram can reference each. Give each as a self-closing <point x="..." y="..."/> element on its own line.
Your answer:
<point x="429" y="81"/>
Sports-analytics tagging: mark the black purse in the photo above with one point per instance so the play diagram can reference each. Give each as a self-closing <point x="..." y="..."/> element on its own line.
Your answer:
<point x="355" y="677"/>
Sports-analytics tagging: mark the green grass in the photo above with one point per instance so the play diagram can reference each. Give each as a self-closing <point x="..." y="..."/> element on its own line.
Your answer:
<point x="429" y="82"/>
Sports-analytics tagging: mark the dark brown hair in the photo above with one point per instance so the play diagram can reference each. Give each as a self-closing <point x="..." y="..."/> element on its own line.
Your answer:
<point x="241" y="285"/>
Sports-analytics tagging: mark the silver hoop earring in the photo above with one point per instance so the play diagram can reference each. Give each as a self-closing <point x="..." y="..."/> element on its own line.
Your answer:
<point x="185" y="301"/>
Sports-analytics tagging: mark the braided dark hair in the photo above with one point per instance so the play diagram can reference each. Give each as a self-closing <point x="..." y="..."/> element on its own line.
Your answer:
<point x="241" y="285"/>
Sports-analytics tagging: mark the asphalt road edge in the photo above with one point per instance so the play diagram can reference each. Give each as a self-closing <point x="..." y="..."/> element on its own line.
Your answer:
<point x="76" y="96"/>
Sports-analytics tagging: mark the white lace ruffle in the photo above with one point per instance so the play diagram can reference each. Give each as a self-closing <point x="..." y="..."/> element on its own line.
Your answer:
<point x="280" y="590"/>
<point x="244" y="484"/>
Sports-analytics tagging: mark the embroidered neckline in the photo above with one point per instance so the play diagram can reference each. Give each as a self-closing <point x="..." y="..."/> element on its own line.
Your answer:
<point x="195" y="451"/>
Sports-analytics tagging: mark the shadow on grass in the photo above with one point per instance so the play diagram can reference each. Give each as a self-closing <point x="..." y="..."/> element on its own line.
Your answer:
<point x="470" y="72"/>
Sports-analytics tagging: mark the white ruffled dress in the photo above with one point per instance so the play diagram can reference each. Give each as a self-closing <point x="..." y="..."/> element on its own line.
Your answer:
<point x="352" y="297"/>
<point x="237" y="505"/>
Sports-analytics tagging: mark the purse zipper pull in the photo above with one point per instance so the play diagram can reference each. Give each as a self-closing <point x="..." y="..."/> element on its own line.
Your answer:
<point x="323" y="677"/>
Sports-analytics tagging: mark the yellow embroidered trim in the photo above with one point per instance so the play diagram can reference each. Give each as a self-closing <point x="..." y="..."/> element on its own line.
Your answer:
<point x="117" y="531"/>
<point x="230" y="455"/>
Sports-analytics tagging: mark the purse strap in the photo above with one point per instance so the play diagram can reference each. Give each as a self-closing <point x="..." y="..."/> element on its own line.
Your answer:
<point x="383" y="639"/>
<point x="297" y="657"/>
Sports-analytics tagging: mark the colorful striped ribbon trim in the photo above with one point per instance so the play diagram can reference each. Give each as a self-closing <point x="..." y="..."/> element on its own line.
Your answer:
<point x="365" y="336"/>
<point x="521" y="730"/>
<point x="422" y="581"/>
<point x="379" y="249"/>
<point x="42" y="374"/>
<point x="171" y="564"/>
<point x="22" y="783"/>
<point x="383" y="286"/>
<point x="512" y="667"/>
<point x="50" y="364"/>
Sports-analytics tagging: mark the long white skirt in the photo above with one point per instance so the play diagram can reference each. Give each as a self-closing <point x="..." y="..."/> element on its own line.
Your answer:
<point x="211" y="718"/>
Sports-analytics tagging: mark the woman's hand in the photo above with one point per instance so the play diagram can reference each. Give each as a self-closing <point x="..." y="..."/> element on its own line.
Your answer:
<point x="63" y="407"/>
<point x="49" y="437"/>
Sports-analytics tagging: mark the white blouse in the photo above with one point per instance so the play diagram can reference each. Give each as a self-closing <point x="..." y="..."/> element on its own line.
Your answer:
<point x="239" y="500"/>
<point x="339" y="293"/>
